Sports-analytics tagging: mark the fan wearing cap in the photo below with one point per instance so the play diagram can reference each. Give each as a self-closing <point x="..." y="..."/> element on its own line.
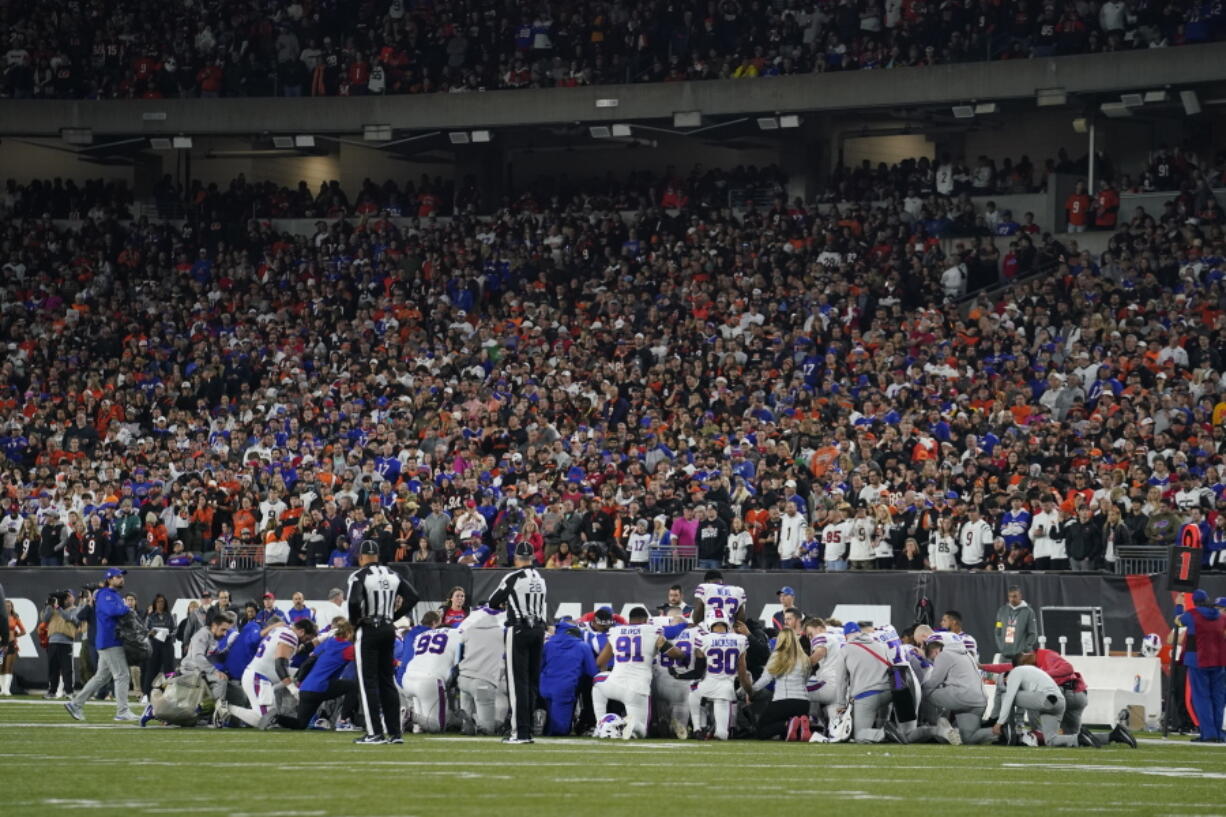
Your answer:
<point x="522" y="593"/>
<point x="269" y="611"/>
<point x="109" y="607"/>
<point x="787" y="601"/>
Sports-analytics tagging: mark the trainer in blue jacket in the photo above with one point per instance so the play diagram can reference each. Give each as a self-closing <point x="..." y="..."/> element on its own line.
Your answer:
<point x="566" y="660"/>
<point x="112" y="663"/>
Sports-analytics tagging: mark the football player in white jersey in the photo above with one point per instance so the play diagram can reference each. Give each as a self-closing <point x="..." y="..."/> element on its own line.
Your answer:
<point x="483" y="678"/>
<point x="825" y="652"/>
<point x="671" y="681"/>
<point x="424" y="686"/>
<point x="270" y="667"/>
<point x="716" y="595"/>
<point x="631" y="650"/>
<point x="723" y="652"/>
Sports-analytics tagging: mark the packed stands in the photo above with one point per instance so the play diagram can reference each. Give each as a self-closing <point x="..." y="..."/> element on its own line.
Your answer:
<point x="558" y="370"/>
<point x="57" y="49"/>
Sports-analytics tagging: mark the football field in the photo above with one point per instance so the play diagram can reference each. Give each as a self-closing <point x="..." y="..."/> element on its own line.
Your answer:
<point x="53" y="765"/>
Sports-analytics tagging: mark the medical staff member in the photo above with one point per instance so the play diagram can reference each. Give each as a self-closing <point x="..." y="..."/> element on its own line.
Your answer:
<point x="566" y="661"/>
<point x="1205" y="660"/>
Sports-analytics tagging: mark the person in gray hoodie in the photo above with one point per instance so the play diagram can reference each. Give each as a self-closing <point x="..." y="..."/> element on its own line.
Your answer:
<point x="864" y="681"/>
<point x="952" y="685"/>
<point x="1016" y="629"/>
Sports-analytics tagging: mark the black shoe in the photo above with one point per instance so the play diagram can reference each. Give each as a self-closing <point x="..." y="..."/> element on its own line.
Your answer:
<point x="511" y="739"/>
<point x="1120" y="734"/>
<point x="1087" y="738"/>
<point x="398" y="740"/>
<point x="893" y="734"/>
<point x="371" y="740"/>
<point x="1008" y="734"/>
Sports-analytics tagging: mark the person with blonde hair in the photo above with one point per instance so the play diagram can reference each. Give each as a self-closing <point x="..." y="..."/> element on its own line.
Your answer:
<point x="787" y="715"/>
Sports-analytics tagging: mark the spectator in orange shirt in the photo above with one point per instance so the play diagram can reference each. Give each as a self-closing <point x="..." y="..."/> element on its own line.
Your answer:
<point x="244" y="518"/>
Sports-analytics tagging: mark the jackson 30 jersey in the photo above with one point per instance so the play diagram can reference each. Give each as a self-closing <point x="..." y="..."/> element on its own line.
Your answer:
<point x="723" y="651"/>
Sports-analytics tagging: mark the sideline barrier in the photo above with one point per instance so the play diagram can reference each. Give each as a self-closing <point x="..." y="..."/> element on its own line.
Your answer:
<point x="1132" y="605"/>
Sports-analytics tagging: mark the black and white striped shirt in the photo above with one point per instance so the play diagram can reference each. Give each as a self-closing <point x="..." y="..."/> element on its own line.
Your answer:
<point x="372" y="593"/>
<point x="523" y="592"/>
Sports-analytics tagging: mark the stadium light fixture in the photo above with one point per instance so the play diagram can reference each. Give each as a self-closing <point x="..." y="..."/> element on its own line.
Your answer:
<point x="789" y="120"/>
<point x="304" y="141"/>
<point x="181" y="142"/>
<point x="1155" y="97"/>
<point x="77" y="136"/>
<point x="985" y="108"/>
<point x="481" y="136"/>
<point x="768" y="123"/>
<point x="376" y="133"/>
<point x="1115" y="110"/>
<point x="1081" y="125"/>
<point x="283" y="142"/>
<point x="459" y="137"/>
<point x="964" y="112"/>
<point x="621" y="130"/>
<point x="1132" y="100"/>
<point x="687" y="119"/>
<point x="608" y="102"/>
<point x="1051" y="97"/>
<point x="1191" y="102"/>
<point x="599" y="131"/>
<point x="159" y="143"/>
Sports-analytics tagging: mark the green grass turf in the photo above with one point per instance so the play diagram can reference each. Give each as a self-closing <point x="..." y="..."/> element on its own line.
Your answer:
<point x="54" y="765"/>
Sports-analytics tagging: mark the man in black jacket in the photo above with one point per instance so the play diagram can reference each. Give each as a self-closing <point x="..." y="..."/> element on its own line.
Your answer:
<point x="712" y="539"/>
<point x="1083" y="539"/>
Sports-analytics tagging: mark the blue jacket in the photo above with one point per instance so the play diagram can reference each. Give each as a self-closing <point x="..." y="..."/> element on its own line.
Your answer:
<point x="565" y="659"/>
<point x="108" y="609"/>
<point x="242" y="649"/>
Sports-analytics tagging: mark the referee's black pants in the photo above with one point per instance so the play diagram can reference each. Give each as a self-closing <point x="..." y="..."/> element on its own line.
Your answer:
<point x="309" y="703"/>
<point x="375" y="649"/>
<point x="524" y="645"/>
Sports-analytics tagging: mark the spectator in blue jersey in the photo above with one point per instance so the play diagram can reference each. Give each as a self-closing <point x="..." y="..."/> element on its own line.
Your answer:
<point x="320" y="678"/>
<point x="269" y="611"/>
<point x="1015" y="529"/>
<point x="298" y="609"/>
<point x="567" y="661"/>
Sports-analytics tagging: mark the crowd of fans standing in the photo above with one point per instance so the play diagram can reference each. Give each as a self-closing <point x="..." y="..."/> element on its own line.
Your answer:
<point x="95" y="50"/>
<point x="602" y="385"/>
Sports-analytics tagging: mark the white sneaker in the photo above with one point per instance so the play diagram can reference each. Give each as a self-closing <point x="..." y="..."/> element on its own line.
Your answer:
<point x="127" y="717"/>
<point x="947" y="730"/>
<point x="144" y="700"/>
<point x="77" y="712"/>
<point x="818" y="737"/>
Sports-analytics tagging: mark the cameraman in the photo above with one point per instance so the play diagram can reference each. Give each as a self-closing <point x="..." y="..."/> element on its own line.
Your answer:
<point x="109" y="607"/>
<point x="60" y="616"/>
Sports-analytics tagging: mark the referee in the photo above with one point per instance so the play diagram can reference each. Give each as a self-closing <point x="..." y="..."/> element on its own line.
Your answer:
<point x="522" y="592"/>
<point x="376" y="597"/>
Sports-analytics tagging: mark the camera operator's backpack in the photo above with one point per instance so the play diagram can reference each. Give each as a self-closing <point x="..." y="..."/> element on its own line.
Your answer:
<point x="135" y="637"/>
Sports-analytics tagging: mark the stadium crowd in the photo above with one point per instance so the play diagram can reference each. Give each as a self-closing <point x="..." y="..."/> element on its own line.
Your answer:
<point x="796" y="386"/>
<point x="64" y="49"/>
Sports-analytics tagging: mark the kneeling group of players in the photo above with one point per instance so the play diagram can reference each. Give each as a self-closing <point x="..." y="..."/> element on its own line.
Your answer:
<point x="689" y="672"/>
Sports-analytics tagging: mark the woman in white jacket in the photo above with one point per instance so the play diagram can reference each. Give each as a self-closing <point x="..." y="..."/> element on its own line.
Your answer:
<point x="787" y="715"/>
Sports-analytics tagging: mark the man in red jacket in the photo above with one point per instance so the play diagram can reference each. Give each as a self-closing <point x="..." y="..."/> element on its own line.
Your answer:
<point x="1075" y="697"/>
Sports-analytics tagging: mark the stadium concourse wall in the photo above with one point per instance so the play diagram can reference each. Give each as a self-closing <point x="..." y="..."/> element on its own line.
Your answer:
<point x="1131" y="605"/>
